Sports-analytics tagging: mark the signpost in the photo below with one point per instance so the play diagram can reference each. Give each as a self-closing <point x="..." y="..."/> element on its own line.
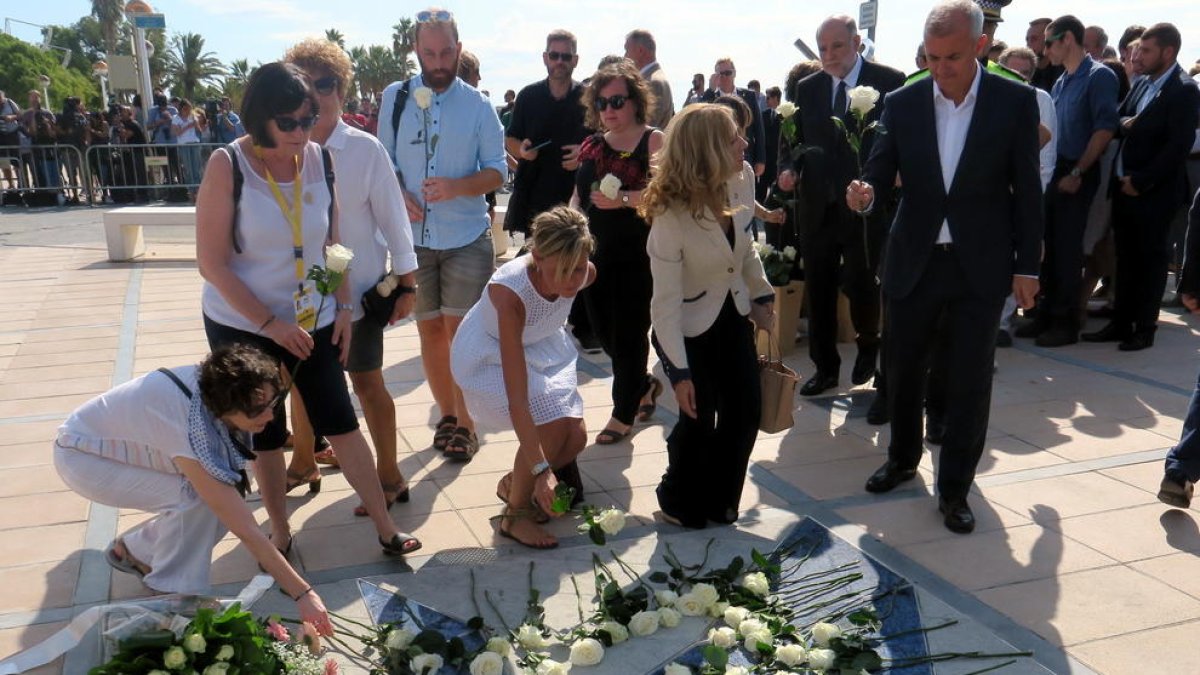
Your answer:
<point x="145" y="21"/>
<point x="868" y="13"/>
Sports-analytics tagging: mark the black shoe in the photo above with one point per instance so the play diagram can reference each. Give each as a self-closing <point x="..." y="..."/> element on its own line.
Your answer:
<point x="1175" y="491"/>
<point x="864" y="366"/>
<point x="1003" y="338"/>
<point x="1112" y="332"/>
<point x="888" y="476"/>
<point x="1104" y="312"/>
<point x="878" y="413"/>
<point x="818" y="383"/>
<point x="935" y="429"/>
<point x="1057" y="337"/>
<point x="957" y="515"/>
<point x="1031" y="329"/>
<point x="1137" y="342"/>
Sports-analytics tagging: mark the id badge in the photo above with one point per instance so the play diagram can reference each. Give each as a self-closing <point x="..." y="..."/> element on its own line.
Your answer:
<point x="306" y="307"/>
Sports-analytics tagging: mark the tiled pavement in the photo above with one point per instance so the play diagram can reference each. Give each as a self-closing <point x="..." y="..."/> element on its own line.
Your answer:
<point x="1072" y="547"/>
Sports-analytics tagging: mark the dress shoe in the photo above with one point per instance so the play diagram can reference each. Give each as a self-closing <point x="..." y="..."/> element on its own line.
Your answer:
<point x="1102" y="312"/>
<point x="1003" y="338"/>
<point x="818" y="383"/>
<point x="878" y="413"/>
<point x="1175" y="491"/>
<point x="1137" y="342"/>
<point x="864" y="366"/>
<point x="888" y="476"/>
<point x="957" y="515"/>
<point x="1112" y="332"/>
<point x="1057" y="337"/>
<point x="935" y="429"/>
<point x="1030" y="329"/>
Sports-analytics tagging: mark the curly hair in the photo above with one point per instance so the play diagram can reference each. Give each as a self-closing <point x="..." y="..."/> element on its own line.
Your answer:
<point x="639" y="91"/>
<point x="694" y="163"/>
<point x="233" y="378"/>
<point x="317" y="55"/>
<point x="562" y="232"/>
<point x="798" y="72"/>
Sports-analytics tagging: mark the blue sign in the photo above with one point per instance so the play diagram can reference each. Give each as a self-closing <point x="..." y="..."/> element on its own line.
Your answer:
<point x="149" y="21"/>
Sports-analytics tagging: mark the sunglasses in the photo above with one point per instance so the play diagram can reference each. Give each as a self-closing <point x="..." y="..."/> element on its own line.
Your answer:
<point x="276" y="400"/>
<point x="326" y="85"/>
<point x="287" y="123"/>
<point x="560" y="56"/>
<point x="1051" y="39"/>
<point x="726" y="73"/>
<point x="617" y="101"/>
<point x="427" y="16"/>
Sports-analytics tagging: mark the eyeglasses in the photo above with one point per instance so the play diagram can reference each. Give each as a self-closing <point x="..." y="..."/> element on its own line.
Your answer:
<point x="326" y="85"/>
<point x="1051" y="39"/>
<point x="287" y="123"/>
<point x="560" y="56"/>
<point x="427" y="16"/>
<point x="726" y="73"/>
<point x="276" y="400"/>
<point x="616" y="101"/>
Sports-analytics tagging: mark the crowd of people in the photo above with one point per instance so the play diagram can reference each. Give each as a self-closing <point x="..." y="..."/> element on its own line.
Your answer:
<point x="981" y="198"/>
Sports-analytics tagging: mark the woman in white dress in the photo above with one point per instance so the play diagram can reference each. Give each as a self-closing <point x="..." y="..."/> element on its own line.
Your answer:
<point x="516" y="366"/>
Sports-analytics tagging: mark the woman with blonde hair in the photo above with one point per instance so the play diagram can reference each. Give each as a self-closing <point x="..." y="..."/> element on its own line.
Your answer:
<point x="707" y="280"/>
<point x="516" y="366"/>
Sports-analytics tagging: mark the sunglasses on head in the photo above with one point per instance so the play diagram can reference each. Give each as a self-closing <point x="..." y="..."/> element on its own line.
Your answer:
<point x="326" y="85"/>
<point x="726" y="73"/>
<point x="560" y="56"/>
<point x="617" y="101"/>
<point x="1051" y="39"/>
<point x="427" y="16"/>
<point x="276" y="400"/>
<point x="287" y="123"/>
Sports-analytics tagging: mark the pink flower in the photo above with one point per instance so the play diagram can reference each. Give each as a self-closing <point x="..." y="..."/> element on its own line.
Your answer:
<point x="331" y="667"/>
<point x="277" y="632"/>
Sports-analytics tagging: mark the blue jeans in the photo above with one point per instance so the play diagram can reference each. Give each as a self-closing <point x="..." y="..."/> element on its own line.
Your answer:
<point x="1184" y="458"/>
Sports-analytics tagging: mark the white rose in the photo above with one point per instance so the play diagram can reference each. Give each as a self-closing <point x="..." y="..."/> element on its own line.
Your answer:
<point x="669" y="617"/>
<point x="666" y="598"/>
<point x="552" y="667"/>
<point x="611" y="521"/>
<point x="736" y="670"/>
<point x="225" y="653"/>
<point x="499" y="645"/>
<point x="610" y="186"/>
<point x="789" y="252"/>
<point x="736" y="615"/>
<point x="337" y="258"/>
<point x="426" y="664"/>
<point x="706" y="592"/>
<point x="195" y="643"/>
<point x="423" y="96"/>
<point x="217" y="669"/>
<point x="765" y="250"/>
<point x="587" y="652"/>
<point x="723" y="637"/>
<point x="488" y="663"/>
<point x="174" y="658"/>
<point x="785" y="109"/>
<point x="717" y="609"/>
<point x="757" y="582"/>
<point x="823" y="632"/>
<point x="399" y="639"/>
<point x="691" y="605"/>
<point x="750" y="625"/>
<point x="616" y="631"/>
<point x="862" y="99"/>
<point x="821" y="659"/>
<point x="754" y="638"/>
<point x="644" y="623"/>
<point x="530" y="637"/>
<point x="790" y="654"/>
<point x="676" y="669"/>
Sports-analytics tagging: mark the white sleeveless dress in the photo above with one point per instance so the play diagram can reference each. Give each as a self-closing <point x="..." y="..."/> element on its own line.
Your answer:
<point x="549" y="355"/>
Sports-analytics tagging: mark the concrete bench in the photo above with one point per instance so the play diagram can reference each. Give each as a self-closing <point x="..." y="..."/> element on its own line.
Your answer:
<point x="123" y="227"/>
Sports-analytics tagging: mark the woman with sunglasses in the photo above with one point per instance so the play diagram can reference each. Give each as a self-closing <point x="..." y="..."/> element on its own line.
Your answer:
<point x="618" y="101"/>
<point x="254" y="252"/>
<point x="173" y="442"/>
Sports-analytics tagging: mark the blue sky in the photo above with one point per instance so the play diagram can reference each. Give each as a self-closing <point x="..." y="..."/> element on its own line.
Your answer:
<point x="508" y="36"/>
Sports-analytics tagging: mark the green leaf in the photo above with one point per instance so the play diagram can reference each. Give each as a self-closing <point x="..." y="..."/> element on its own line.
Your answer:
<point x="563" y="496"/>
<point x="863" y="617"/>
<point x="430" y="641"/>
<point x="658" y="577"/>
<point x="596" y="535"/>
<point x="759" y="559"/>
<point x="868" y="660"/>
<point x="716" y="656"/>
<point x="736" y="565"/>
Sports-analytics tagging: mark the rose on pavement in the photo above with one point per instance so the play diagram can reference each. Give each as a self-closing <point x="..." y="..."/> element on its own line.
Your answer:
<point x="587" y="652"/>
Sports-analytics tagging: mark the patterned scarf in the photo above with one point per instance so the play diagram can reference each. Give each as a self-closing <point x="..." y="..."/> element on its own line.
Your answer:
<point x="222" y="456"/>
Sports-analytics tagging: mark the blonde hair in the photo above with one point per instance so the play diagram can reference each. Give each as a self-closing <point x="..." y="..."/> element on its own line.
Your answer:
<point x="562" y="232"/>
<point x="694" y="163"/>
<point x="317" y="55"/>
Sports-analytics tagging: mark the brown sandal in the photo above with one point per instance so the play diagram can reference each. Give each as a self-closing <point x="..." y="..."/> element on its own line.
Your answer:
<point x="502" y="489"/>
<point x="444" y="431"/>
<point x="513" y="514"/>
<point x="462" y="446"/>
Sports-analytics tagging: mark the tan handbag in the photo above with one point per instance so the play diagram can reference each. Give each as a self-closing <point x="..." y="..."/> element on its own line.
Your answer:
<point x="778" y="385"/>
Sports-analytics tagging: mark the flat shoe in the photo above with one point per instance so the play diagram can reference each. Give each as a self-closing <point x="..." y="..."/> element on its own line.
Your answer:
<point x="610" y="436"/>
<point x="127" y="564"/>
<point x="401" y="544"/>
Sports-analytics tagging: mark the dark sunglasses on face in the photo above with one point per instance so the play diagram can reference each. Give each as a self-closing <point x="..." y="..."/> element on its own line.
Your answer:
<point x="287" y="123"/>
<point x="326" y="85"/>
<point x="438" y="15"/>
<point x="269" y="405"/>
<point x="1051" y="39"/>
<point x="560" y="56"/>
<point x="726" y="73"/>
<point x="617" y="101"/>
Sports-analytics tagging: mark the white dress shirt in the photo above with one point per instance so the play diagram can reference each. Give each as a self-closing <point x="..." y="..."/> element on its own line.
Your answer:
<point x="952" y="122"/>
<point x="851" y="81"/>
<point x="1049" y="119"/>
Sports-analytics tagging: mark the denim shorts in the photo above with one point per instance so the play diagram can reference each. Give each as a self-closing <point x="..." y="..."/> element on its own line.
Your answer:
<point x="450" y="282"/>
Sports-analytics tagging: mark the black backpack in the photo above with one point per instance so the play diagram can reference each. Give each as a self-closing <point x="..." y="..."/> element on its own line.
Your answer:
<point x="398" y="106"/>
<point x="239" y="178"/>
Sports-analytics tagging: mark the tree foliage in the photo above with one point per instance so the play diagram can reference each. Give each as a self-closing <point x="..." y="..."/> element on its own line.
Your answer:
<point x="23" y="63"/>
<point x="191" y="69"/>
<point x="110" y="18"/>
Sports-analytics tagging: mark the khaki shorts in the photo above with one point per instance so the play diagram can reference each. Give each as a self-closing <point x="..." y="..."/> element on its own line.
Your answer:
<point x="450" y="282"/>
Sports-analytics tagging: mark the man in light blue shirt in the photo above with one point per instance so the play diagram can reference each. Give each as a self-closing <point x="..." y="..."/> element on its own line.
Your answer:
<point x="447" y="147"/>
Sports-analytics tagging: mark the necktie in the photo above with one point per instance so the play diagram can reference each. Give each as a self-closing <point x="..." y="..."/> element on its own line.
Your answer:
<point x="839" y="99"/>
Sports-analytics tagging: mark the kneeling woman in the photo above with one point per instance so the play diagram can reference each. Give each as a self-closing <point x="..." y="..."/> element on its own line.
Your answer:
<point x="707" y="279"/>
<point x="174" y="442"/>
<point x="516" y="366"/>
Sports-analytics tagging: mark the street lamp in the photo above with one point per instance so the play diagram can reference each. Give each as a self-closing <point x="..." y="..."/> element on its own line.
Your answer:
<point x="100" y="70"/>
<point x="45" y="80"/>
<point x="133" y="9"/>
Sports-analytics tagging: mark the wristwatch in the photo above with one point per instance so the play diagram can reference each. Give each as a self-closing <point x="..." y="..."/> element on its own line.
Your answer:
<point x="625" y="198"/>
<point x="345" y="306"/>
<point x="402" y="289"/>
<point x="1076" y="172"/>
<point x="540" y="468"/>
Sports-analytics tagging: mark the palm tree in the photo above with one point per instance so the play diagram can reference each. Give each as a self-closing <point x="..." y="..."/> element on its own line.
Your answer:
<point x="235" y="81"/>
<point x="110" y="14"/>
<point x="402" y="44"/>
<point x="378" y="68"/>
<point x="357" y="56"/>
<point x="189" y="66"/>
<point x="335" y="36"/>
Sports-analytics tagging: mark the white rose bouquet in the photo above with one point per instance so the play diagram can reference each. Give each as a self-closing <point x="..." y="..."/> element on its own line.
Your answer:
<point x="777" y="263"/>
<point x="609" y="186"/>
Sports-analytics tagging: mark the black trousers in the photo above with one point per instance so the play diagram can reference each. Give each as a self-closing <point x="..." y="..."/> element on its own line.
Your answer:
<point x="708" y="455"/>
<point x="1141" y="228"/>
<point x="840" y="254"/>
<point x="1062" y="266"/>
<point x="618" y="306"/>
<point x="970" y="329"/>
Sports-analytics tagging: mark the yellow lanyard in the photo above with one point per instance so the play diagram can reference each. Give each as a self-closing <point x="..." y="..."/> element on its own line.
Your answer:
<point x="293" y="213"/>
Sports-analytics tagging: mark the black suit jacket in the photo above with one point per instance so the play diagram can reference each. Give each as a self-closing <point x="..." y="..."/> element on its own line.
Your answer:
<point x="771" y="143"/>
<point x="1154" y="150"/>
<point x="756" y="152"/>
<point x="994" y="202"/>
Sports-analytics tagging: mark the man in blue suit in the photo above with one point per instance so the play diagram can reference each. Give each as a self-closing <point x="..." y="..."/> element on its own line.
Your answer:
<point x="967" y="232"/>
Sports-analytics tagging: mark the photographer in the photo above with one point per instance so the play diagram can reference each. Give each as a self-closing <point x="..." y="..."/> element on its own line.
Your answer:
<point x="100" y="162"/>
<point x="10" y="139"/>
<point x="42" y="128"/>
<point x="73" y="131"/>
<point x="131" y="167"/>
<point x="226" y="125"/>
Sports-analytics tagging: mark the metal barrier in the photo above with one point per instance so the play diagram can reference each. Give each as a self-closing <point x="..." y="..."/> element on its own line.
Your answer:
<point x="144" y="172"/>
<point x="51" y="173"/>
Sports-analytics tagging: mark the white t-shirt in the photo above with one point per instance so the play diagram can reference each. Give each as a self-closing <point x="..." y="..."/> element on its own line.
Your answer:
<point x="192" y="135"/>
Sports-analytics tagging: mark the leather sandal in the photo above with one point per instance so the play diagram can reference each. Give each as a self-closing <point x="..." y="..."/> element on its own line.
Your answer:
<point x="444" y="431"/>
<point x="399" y="493"/>
<point x="294" y="481"/>
<point x="654" y="387"/>
<point x="512" y="514"/>
<point x="400" y="544"/>
<point x="462" y="446"/>
<point x="502" y="489"/>
<point x="610" y="436"/>
<point x="324" y="454"/>
<point x="124" y="563"/>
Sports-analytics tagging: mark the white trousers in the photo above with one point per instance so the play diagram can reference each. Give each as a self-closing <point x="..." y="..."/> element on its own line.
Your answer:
<point x="177" y="544"/>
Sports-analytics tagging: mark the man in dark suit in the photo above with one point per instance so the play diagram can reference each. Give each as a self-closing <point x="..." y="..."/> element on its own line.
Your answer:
<point x="1158" y="124"/>
<point x="837" y="243"/>
<point x="771" y="122"/>
<point x="722" y="84"/>
<point x="967" y="232"/>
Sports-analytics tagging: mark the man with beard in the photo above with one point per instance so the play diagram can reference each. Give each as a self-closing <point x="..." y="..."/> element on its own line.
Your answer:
<point x="1047" y="73"/>
<point x="447" y="146"/>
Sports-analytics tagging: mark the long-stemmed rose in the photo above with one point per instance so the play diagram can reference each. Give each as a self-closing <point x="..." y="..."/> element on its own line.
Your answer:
<point x="861" y="101"/>
<point x="423" y="97"/>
